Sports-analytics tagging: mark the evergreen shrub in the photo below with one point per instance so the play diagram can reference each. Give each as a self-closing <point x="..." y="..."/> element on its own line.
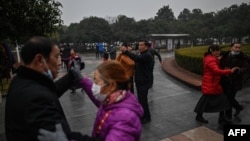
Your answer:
<point x="190" y="58"/>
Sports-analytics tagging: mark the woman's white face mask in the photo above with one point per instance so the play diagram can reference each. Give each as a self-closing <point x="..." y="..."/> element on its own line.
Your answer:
<point x="96" y="89"/>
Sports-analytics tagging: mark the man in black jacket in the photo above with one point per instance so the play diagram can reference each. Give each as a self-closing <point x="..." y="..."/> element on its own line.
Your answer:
<point x="33" y="98"/>
<point x="143" y="78"/>
<point x="232" y="83"/>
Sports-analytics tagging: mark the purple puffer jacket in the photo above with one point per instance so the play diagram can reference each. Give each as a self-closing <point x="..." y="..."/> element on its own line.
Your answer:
<point x="123" y="123"/>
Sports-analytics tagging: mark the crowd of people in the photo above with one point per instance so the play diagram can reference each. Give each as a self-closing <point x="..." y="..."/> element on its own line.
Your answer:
<point x="122" y="108"/>
<point x="105" y="52"/>
<point x="35" y="115"/>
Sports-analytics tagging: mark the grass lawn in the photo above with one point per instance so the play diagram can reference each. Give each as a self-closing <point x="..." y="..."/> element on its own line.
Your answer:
<point x="199" y="51"/>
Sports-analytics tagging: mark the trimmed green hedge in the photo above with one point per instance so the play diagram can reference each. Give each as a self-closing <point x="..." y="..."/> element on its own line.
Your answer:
<point x="191" y="58"/>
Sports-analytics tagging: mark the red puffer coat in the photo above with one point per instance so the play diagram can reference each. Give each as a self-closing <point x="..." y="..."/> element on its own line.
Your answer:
<point x="212" y="75"/>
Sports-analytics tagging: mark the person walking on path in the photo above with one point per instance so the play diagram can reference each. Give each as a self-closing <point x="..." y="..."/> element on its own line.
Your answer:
<point x="101" y="49"/>
<point x="106" y="54"/>
<point x="234" y="82"/>
<point x="128" y="65"/>
<point x="11" y="59"/>
<point x="97" y="54"/>
<point x="153" y="53"/>
<point x="5" y="68"/>
<point x="74" y="58"/>
<point x="143" y="72"/>
<point x="33" y="97"/>
<point x="212" y="99"/>
<point x="112" y="52"/>
<point x="66" y="56"/>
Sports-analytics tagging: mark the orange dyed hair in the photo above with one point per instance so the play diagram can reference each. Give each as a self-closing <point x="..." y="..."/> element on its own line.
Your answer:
<point x="113" y="70"/>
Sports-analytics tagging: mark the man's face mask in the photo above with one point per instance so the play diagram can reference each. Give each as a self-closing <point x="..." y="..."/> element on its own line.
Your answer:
<point x="48" y="72"/>
<point x="235" y="52"/>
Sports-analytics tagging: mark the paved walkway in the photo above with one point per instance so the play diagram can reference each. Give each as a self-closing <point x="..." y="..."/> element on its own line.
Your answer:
<point x="171" y="103"/>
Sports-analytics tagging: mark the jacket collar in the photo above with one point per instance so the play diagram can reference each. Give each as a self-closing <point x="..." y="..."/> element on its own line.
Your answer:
<point x="37" y="76"/>
<point x="145" y="51"/>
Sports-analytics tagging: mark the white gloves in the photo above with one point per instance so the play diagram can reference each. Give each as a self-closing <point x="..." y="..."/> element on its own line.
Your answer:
<point x="58" y="135"/>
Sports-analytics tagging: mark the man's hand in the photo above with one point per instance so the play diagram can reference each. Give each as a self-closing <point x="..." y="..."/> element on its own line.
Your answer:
<point x="58" y="135"/>
<point x="76" y="72"/>
<point x="124" y="49"/>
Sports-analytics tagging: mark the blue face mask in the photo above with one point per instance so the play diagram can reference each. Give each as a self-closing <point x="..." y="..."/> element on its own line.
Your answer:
<point x="48" y="72"/>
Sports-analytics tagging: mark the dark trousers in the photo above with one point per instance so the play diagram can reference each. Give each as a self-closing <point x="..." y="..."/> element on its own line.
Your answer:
<point x="66" y="63"/>
<point x="142" y="93"/>
<point x="152" y="74"/>
<point x="222" y="117"/>
<point x="231" y="93"/>
<point x="97" y="55"/>
<point x="101" y="53"/>
<point x="131" y="84"/>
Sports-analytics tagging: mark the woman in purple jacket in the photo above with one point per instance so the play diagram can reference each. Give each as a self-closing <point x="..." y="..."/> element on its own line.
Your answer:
<point x="118" y="117"/>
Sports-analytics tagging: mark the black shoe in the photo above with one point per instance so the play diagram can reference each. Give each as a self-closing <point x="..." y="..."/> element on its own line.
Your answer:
<point x="238" y="110"/>
<point x="225" y="122"/>
<point x="221" y="126"/>
<point x="237" y="119"/>
<point x="201" y="119"/>
<point x="228" y="121"/>
<point x="145" y="120"/>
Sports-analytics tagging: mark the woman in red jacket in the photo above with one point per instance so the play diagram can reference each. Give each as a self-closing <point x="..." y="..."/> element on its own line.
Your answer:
<point x="212" y="99"/>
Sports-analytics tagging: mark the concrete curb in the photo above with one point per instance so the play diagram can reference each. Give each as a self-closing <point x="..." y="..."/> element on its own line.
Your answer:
<point x="170" y="66"/>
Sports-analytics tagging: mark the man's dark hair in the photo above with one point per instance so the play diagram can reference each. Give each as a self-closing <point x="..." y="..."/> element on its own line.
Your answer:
<point x="36" y="45"/>
<point x="145" y="42"/>
<point x="125" y="44"/>
<point x="136" y="46"/>
<point x="232" y="44"/>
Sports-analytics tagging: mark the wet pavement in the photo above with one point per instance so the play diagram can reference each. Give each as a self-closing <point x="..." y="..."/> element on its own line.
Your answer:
<point x="171" y="103"/>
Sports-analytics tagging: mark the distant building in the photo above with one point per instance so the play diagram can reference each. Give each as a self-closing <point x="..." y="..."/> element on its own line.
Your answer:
<point x="169" y="41"/>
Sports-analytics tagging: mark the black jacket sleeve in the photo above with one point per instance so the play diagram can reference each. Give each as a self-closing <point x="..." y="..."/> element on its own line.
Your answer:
<point x="79" y="137"/>
<point x="144" y="57"/>
<point x="158" y="55"/>
<point x="64" y="83"/>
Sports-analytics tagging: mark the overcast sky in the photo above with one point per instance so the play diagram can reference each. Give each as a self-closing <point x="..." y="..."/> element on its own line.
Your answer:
<point x="75" y="10"/>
